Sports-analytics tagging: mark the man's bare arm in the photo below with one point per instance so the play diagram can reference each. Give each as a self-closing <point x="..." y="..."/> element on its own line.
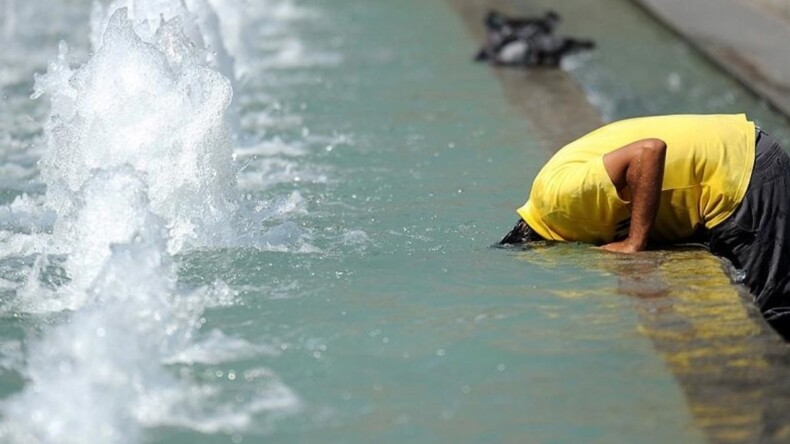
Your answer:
<point x="637" y="169"/>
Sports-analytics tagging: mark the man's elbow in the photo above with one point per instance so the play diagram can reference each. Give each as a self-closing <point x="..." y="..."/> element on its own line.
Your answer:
<point x="655" y="146"/>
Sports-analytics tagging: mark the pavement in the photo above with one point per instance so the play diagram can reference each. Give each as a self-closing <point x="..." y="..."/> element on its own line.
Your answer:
<point x="750" y="39"/>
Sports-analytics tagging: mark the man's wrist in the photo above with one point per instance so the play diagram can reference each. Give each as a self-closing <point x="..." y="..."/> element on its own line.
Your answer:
<point x="637" y="243"/>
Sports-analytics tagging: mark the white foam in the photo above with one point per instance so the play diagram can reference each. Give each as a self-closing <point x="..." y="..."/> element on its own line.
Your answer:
<point x="157" y="109"/>
<point x="197" y="20"/>
<point x="260" y="35"/>
<point x="272" y="147"/>
<point x="355" y="237"/>
<point x="283" y="206"/>
<point x="264" y="172"/>
<point x="217" y="348"/>
<point x="85" y="375"/>
<point x="99" y="378"/>
<point x="201" y="410"/>
<point x="26" y="214"/>
<point x="111" y="208"/>
<point x="290" y="53"/>
<point x="138" y="166"/>
<point x="264" y="20"/>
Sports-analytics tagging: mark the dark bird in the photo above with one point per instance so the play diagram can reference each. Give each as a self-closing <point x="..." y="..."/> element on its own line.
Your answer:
<point x="528" y="42"/>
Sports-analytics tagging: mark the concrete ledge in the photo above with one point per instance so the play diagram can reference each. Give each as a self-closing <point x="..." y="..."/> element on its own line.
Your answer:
<point x="749" y="42"/>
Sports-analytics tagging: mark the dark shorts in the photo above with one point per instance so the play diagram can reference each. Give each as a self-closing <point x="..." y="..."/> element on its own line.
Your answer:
<point x="756" y="237"/>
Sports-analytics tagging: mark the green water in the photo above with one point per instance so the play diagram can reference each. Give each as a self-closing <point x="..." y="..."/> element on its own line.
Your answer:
<point x="425" y="333"/>
<point x="394" y="319"/>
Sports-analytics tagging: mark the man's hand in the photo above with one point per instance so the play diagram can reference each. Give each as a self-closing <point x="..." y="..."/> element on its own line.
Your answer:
<point x="637" y="170"/>
<point x="621" y="247"/>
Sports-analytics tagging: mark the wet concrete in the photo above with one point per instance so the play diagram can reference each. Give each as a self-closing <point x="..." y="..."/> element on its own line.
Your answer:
<point x="730" y="363"/>
<point x="746" y="39"/>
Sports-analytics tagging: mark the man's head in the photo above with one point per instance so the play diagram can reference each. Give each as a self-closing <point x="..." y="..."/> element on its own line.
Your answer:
<point x="521" y="233"/>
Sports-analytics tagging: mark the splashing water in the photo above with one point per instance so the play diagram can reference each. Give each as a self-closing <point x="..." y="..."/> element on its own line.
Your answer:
<point x="199" y="23"/>
<point x="138" y="167"/>
<point x="99" y="377"/>
<point x="156" y="108"/>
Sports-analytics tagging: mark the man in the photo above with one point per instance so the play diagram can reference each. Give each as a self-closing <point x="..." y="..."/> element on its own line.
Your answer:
<point x="670" y="179"/>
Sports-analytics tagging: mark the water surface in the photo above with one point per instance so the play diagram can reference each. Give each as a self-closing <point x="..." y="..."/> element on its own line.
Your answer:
<point x="380" y="165"/>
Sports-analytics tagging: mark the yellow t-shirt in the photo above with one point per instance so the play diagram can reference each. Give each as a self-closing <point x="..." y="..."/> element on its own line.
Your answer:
<point x="709" y="161"/>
